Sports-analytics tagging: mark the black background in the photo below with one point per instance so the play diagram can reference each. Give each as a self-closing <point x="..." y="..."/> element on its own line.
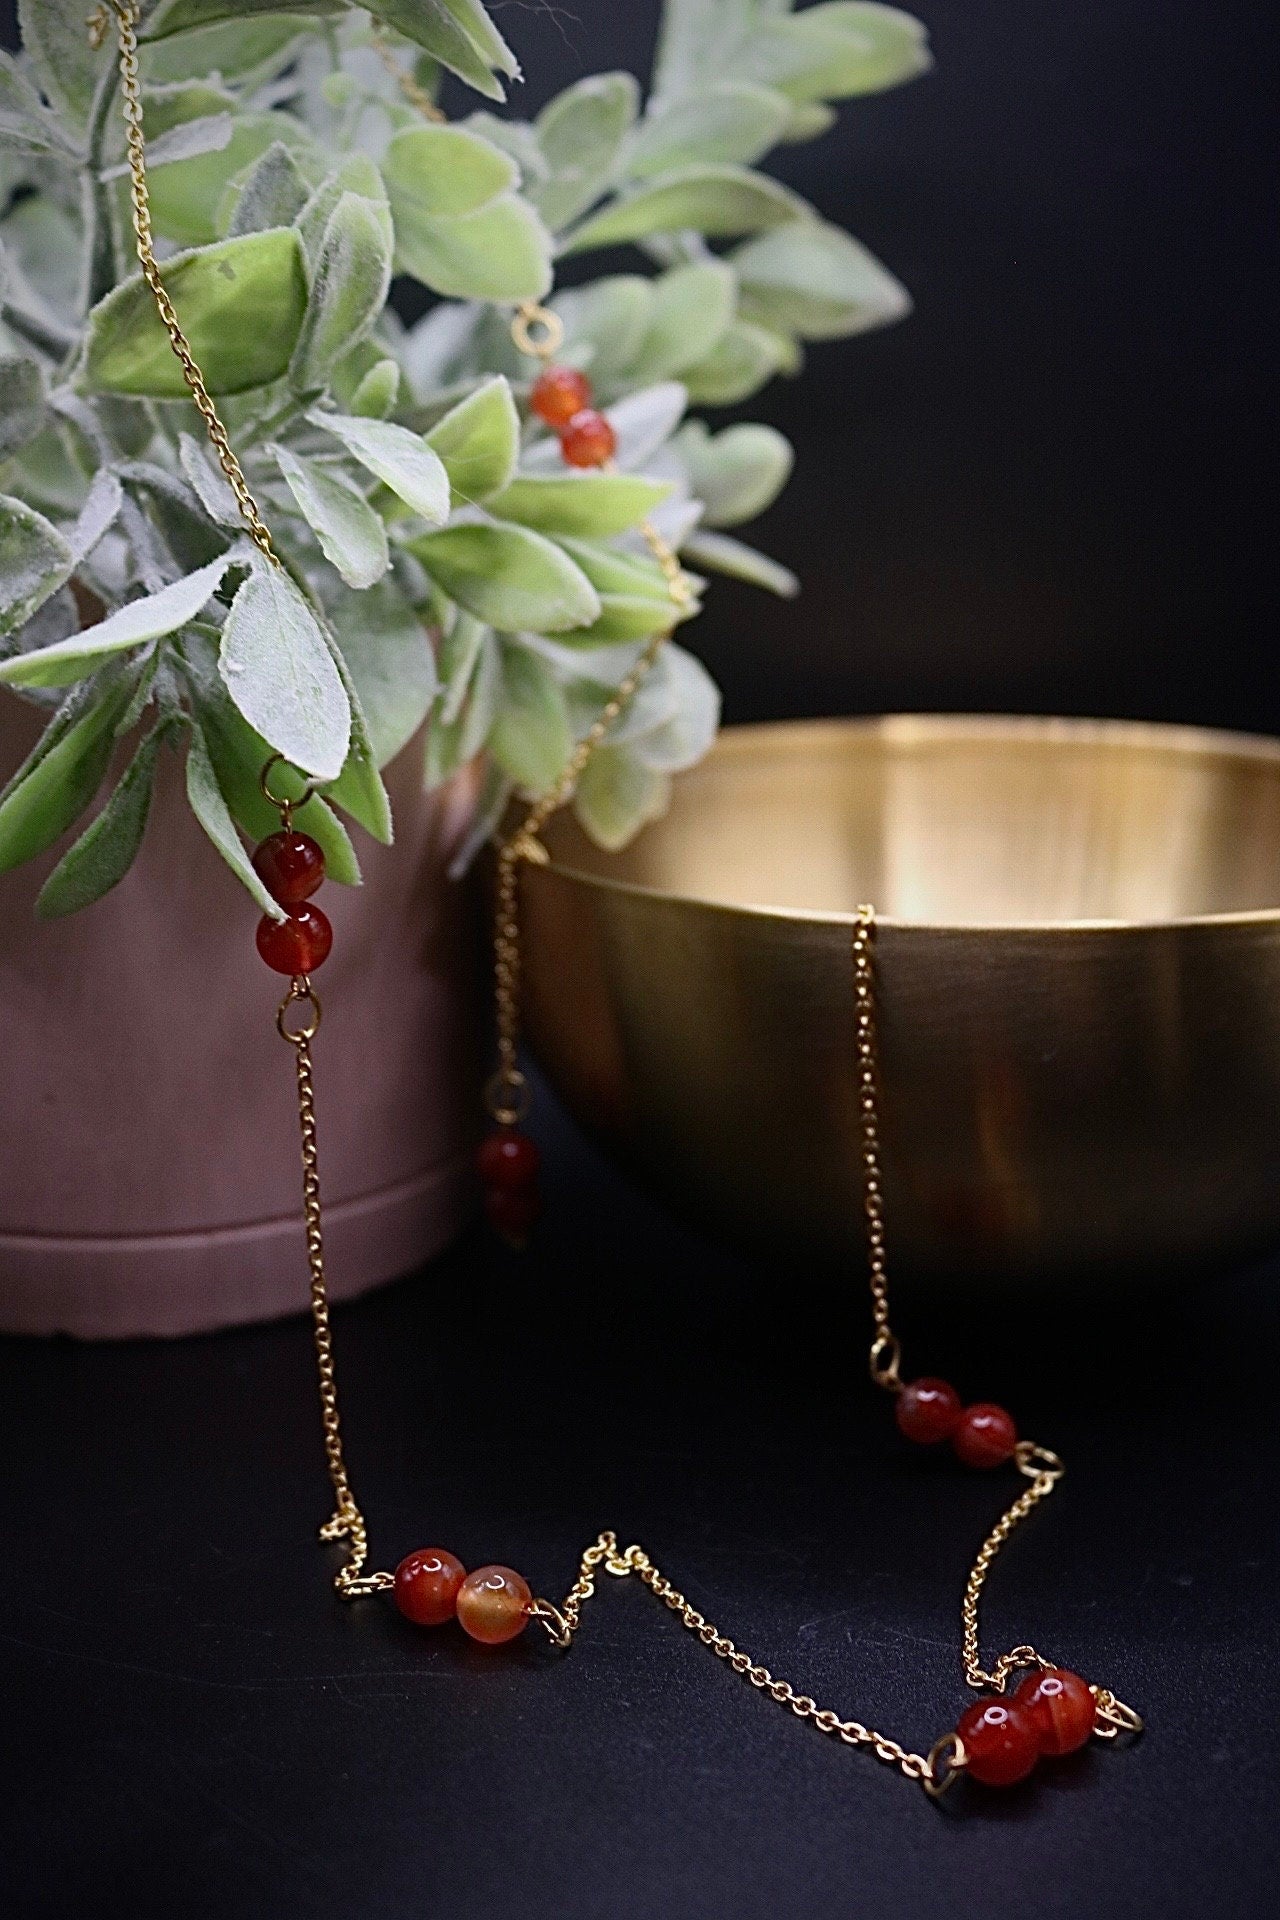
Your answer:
<point x="1048" y="490"/>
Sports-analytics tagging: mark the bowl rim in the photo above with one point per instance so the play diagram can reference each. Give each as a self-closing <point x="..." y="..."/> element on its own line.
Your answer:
<point x="907" y="729"/>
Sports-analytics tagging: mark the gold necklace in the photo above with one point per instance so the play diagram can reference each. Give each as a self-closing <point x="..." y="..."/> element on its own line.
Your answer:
<point x="999" y="1739"/>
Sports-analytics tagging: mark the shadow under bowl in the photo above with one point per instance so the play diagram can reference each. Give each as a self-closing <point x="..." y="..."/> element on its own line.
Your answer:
<point x="1078" y="971"/>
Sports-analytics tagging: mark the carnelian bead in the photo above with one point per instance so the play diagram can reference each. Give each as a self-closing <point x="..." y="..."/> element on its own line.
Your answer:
<point x="558" y="393"/>
<point x="985" y="1436"/>
<point x="299" y="944"/>
<point x="588" y="440"/>
<point x="426" y="1588"/>
<point x="508" y="1159"/>
<point x="1000" y="1742"/>
<point x="513" y="1211"/>
<point x="494" y="1604"/>
<point x="1060" y="1707"/>
<point x="928" y="1411"/>
<point x="290" y="866"/>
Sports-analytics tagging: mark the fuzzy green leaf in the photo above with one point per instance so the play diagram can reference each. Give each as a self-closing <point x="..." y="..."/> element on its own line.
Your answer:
<point x="56" y="41"/>
<point x="22" y="405"/>
<point x="720" y="553"/>
<point x="388" y="652"/>
<point x="457" y="33"/>
<point x="352" y="537"/>
<point x="401" y="460"/>
<point x="737" y="473"/>
<point x="376" y="391"/>
<point x="147" y="618"/>
<point x="241" y="303"/>
<point x="444" y="171"/>
<point x="836" y="51"/>
<point x="478" y="441"/>
<point x="692" y="307"/>
<point x="348" y="289"/>
<point x="734" y="122"/>
<point x="271" y="194"/>
<point x="211" y="810"/>
<point x="604" y="323"/>
<point x="531" y="738"/>
<point x="179" y="16"/>
<point x="61" y="774"/>
<point x="358" y="788"/>
<point x="815" y="280"/>
<point x="502" y="252"/>
<point x="509" y="577"/>
<point x="743" y="359"/>
<point x="617" y="795"/>
<point x="712" y="200"/>
<point x="276" y="665"/>
<point x="591" y="505"/>
<point x="246" y="50"/>
<point x="209" y="485"/>
<point x="189" y="195"/>
<point x="105" y="851"/>
<point x="35" y="560"/>
<point x="580" y="134"/>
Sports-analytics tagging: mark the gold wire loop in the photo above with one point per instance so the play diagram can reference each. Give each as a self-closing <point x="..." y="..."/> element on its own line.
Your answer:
<point x="1115" y="1715"/>
<point x="884" y="1361"/>
<point x="553" y="1621"/>
<point x="507" y="1097"/>
<point x="300" y="989"/>
<point x="945" y="1761"/>
<point x="286" y="803"/>
<point x="536" y="330"/>
<point x="1038" y="1462"/>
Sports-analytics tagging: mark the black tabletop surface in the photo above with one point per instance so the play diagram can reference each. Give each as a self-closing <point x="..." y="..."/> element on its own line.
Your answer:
<point x="195" y="1726"/>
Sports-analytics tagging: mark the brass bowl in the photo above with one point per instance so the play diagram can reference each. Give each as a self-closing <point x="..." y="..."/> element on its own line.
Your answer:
<point x="1079" y="983"/>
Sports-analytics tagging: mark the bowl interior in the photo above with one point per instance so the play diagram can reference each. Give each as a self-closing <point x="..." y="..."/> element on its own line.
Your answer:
<point x="965" y="822"/>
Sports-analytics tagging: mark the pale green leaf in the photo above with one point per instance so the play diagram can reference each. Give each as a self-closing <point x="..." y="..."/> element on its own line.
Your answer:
<point x="245" y="50"/>
<point x="815" y="280"/>
<point x="376" y="391"/>
<point x="720" y="553"/>
<point x="401" y="460"/>
<point x="530" y="738"/>
<point x="211" y="810"/>
<point x="147" y="618"/>
<point x="733" y="122"/>
<point x="502" y="252"/>
<point x="276" y="665"/>
<point x="388" y="652"/>
<point x="355" y="173"/>
<point x="736" y="474"/>
<point x="509" y="577"/>
<point x="617" y="795"/>
<point x="743" y="359"/>
<point x="434" y="171"/>
<point x="713" y="200"/>
<point x="209" y="484"/>
<point x="580" y="134"/>
<point x="240" y="303"/>
<point x="358" y="790"/>
<point x="591" y="505"/>
<point x="105" y="851"/>
<point x="271" y="194"/>
<point x="613" y="571"/>
<point x="351" y="535"/>
<point x="35" y="559"/>
<point x="22" y="405"/>
<point x="457" y="33"/>
<point x="239" y="755"/>
<point x="179" y="16"/>
<point x="837" y="50"/>
<point x="478" y="441"/>
<point x="61" y="774"/>
<point x="692" y="307"/>
<point x="459" y="652"/>
<point x="66" y="67"/>
<point x="604" y="323"/>
<point x="189" y="197"/>
<point x="348" y="289"/>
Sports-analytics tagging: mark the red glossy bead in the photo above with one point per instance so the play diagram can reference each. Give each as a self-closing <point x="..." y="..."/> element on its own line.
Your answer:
<point x="508" y="1159"/>
<point x="985" y="1436"/>
<point x="1000" y="1742"/>
<point x="558" y="393"/>
<point x="290" y="866"/>
<point x="427" y="1582"/>
<point x="1060" y="1707"/>
<point x="494" y="1604"/>
<point x="588" y="440"/>
<point x="928" y="1411"/>
<point x="513" y="1211"/>
<point x="299" y="944"/>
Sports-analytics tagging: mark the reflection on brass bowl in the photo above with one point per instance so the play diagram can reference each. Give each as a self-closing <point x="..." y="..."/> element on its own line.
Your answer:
<point x="1079" y="978"/>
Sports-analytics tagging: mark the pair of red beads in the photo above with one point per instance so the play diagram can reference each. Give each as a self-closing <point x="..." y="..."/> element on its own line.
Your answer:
<point x="928" y="1411"/>
<point x="290" y="866"/>
<point x="562" y="397"/>
<point x="507" y="1163"/>
<point x="432" y="1586"/>
<point x="1051" y="1713"/>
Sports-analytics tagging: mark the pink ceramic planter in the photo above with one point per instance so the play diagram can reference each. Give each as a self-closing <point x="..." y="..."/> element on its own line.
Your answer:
<point x="149" y="1164"/>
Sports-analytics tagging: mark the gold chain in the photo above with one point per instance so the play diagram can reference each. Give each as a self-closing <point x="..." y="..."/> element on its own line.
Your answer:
<point x="538" y="332"/>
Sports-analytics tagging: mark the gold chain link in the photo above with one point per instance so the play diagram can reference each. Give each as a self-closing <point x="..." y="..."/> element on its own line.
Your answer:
<point x="538" y="331"/>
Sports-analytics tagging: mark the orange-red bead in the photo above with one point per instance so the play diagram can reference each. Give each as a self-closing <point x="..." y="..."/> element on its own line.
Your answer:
<point x="985" y="1435"/>
<point x="290" y="866"/>
<point x="1060" y="1707"/>
<point x="1000" y="1742"/>
<point x="427" y="1583"/>
<point x="558" y="393"/>
<point x="928" y="1411"/>
<point x="588" y="440"/>
<point x="494" y="1604"/>
<point x="508" y="1158"/>
<point x="299" y="944"/>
